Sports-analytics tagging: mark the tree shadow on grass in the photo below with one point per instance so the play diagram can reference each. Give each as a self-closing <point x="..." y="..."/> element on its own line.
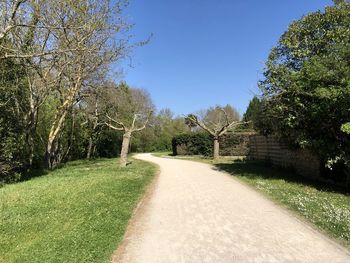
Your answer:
<point x="262" y="170"/>
<point x="39" y="172"/>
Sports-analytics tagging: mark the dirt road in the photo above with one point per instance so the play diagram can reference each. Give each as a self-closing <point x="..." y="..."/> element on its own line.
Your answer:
<point x="197" y="214"/>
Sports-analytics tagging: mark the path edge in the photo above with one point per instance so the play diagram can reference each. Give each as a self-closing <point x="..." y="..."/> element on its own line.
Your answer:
<point x="339" y="244"/>
<point x="117" y="255"/>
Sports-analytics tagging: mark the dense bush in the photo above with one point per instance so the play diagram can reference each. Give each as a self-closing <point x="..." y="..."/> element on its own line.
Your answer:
<point x="193" y="144"/>
<point x="13" y="130"/>
<point x="307" y="85"/>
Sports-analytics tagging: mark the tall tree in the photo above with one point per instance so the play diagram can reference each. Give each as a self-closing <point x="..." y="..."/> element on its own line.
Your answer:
<point x="216" y="121"/>
<point x="306" y="84"/>
<point x="93" y="32"/>
<point x="128" y="110"/>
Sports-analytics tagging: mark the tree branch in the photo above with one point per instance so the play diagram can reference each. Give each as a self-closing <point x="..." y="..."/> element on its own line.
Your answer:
<point x="145" y="124"/>
<point x="12" y="24"/>
<point x="117" y="122"/>
<point x="113" y="127"/>
<point x="201" y="124"/>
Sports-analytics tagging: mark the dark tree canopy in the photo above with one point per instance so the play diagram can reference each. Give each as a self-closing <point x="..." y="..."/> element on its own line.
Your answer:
<point x="252" y="114"/>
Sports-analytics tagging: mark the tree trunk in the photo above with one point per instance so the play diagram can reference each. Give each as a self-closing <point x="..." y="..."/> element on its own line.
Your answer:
<point x="89" y="150"/>
<point x="59" y="119"/>
<point x="48" y="161"/>
<point x="216" y="150"/>
<point x="92" y="145"/>
<point x="31" y="150"/>
<point x="54" y="131"/>
<point x="125" y="149"/>
<point x="32" y="119"/>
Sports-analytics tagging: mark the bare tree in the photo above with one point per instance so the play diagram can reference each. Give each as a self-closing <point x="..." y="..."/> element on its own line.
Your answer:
<point x="20" y="18"/>
<point x="12" y="16"/>
<point x="92" y="106"/>
<point x="93" y="32"/>
<point x="129" y="110"/>
<point x="216" y="121"/>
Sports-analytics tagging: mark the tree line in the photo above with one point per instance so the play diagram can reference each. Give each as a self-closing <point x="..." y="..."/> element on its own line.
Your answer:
<point x="58" y="100"/>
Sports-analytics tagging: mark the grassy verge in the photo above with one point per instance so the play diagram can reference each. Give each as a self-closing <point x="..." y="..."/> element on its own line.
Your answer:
<point x="326" y="207"/>
<point x="74" y="214"/>
<point x="199" y="158"/>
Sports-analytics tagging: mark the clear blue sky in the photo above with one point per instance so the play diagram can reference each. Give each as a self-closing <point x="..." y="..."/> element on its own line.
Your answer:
<point x="206" y="52"/>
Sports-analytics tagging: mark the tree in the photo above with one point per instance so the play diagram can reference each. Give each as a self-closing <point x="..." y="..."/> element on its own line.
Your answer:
<point x="306" y="84"/>
<point x="91" y="105"/>
<point x="253" y="111"/>
<point x="339" y="2"/>
<point x="13" y="102"/>
<point x="216" y="121"/>
<point x="53" y="55"/>
<point x="128" y="110"/>
<point x="164" y="126"/>
<point x="92" y="31"/>
<point x="62" y="45"/>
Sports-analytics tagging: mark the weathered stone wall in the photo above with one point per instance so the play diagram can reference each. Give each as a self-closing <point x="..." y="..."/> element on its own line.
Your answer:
<point x="269" y="148"/>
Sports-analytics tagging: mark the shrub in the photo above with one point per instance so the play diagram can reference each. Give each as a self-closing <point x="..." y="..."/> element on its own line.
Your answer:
<point x="193" y="144"/>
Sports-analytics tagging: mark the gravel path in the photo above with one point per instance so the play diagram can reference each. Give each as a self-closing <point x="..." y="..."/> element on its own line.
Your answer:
<point x="197" y="214"/>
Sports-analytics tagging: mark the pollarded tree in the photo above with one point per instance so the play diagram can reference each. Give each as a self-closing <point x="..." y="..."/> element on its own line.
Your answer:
<point x="216" y="121"/>
<point x="128" y="110"/>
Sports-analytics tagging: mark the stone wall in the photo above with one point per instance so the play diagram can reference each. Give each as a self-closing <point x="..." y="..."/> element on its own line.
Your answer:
<point x="269" y="148"/>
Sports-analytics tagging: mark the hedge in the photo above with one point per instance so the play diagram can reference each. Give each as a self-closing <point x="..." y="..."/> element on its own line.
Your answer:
<point x="193" y="144"/>
<point x="202" y="144"/>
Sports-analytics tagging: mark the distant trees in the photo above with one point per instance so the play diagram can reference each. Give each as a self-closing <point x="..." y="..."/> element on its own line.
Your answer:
<point x="306" y="84"/>
<point x="165" y="126"/>
<point x="216" y="121"/>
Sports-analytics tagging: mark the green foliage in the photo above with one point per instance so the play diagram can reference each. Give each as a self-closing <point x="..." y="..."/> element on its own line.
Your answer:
<point x="13" y="107"/>
<point x="346" y="128"/>
<point x="253" y="112"/>
<point x="78" y="213"/>
<point x="158" y="136"/>
<point x="202" y="144"/>
<point x="46" y="72"/>
<point x="108" y="143"/>
<point x="339" y="2"/>
<point x="307" y="83"/>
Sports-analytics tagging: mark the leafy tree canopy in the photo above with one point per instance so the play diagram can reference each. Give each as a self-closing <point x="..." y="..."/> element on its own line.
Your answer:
<point x="307" y="82"/>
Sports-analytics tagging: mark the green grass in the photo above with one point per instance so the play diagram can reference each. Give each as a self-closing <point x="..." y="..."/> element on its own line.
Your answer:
<point x="78" y="213"/>
<point x="198" y="158"/>
<point x="328" y="208"/>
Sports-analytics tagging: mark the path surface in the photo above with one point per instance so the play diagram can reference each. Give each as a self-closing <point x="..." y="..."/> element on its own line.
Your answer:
<point x="197" y="214"/>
